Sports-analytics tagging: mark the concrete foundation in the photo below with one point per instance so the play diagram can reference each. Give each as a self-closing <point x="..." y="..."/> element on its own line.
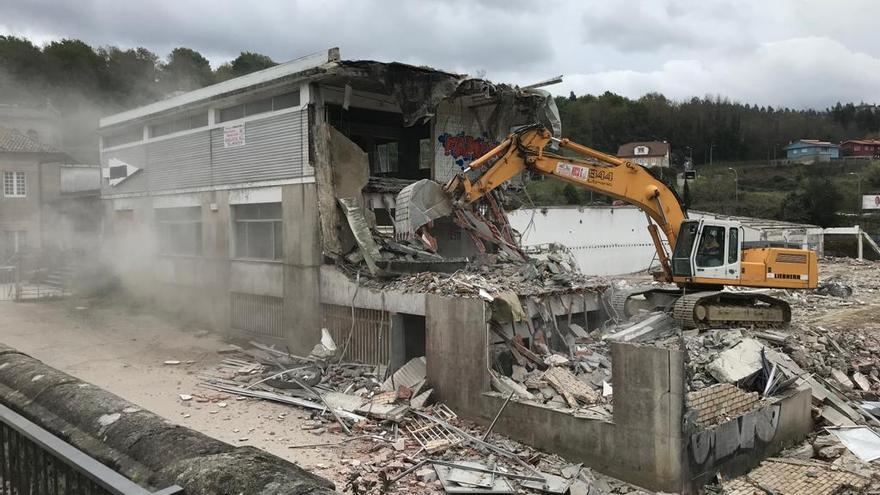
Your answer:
<point x="646" y="443"/>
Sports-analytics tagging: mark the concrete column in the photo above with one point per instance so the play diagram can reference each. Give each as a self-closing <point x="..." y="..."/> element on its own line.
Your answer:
<point x="215" y="268"/>
<point x="302" y="261"/>
<point x="861" y="243"/>
<point x="649" y="404"/>
<point x="455" y="350"/>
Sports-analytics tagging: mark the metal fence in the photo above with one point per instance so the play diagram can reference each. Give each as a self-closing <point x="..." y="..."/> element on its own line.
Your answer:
<point x="370" y="333"/>
<point x="35" y="462"/>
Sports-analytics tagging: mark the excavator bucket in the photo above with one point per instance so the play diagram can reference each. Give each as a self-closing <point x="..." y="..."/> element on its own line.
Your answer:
<point x="418" y="204"/>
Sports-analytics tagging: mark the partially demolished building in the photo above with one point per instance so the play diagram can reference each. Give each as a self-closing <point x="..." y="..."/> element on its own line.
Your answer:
<point x="265" y="205"/>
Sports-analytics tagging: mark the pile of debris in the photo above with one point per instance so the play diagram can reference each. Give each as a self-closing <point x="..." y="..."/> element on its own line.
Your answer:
<point x="408" y="446"/>
<point x="490" y="275"/>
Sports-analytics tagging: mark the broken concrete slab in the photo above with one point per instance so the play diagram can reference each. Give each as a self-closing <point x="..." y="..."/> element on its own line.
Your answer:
<point x="499" y="485"/>
<point x="572" y="389"/>
<point x="738" y="362"/>
<point x="841" y="378"/>
<point x="835" y="417"/>
<point x="650" y="327"/>
<point x="862" y="381"/>
<point x="354" y="213"/>
<point x="506" y="385"/>
<point x="409" y="375"/>
<point x="342" y="170"/>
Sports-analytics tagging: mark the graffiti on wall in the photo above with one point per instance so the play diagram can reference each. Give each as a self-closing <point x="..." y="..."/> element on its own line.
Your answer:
<point x="743" y="435"/>
<point x="464" y="148"/>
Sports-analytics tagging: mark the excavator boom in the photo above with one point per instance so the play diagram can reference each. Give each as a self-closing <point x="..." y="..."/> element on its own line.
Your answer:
<point x="704" y="255"/>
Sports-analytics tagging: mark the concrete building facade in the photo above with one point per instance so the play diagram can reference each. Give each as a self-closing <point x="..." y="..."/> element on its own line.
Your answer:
<point x="213" y="204"/>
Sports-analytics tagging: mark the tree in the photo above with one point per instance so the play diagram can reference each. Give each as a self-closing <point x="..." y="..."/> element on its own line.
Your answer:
<point x="248" y="62"/>
<point x="22" y="70"/>
<point x="816" y="201"/>
<point x="73" y="66"/>
<point x="571" y="194"/>
<point x="185" y="70"/>
<point x="132" y="76"/>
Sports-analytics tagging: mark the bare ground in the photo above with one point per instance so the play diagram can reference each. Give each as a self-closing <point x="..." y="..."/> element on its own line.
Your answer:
<point x="123" y="351"/>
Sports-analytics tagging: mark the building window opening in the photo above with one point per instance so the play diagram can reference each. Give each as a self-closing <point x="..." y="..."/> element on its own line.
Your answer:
<point x="179" y="230"/>
<point x="14" y="184"/>
<point x="393" y="150"/>
<point x="258" y="232"/>
<point x="256" y="107"/>
<point x="178" y="125"/>
<point x="124" y="136"/>
<point x="11" y="243"/>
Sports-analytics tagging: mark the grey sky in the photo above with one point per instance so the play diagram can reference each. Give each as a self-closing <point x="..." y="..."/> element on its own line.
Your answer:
<point x="799" y="53"/>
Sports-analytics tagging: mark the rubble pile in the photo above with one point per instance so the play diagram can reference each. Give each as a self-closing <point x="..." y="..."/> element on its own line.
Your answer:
<point x="491" y="275"/>
<point x="404" y="444"/>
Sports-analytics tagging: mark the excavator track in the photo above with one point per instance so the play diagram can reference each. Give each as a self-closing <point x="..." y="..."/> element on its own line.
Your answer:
<point x="704" y="309"/>
<point x="707" y="309"/>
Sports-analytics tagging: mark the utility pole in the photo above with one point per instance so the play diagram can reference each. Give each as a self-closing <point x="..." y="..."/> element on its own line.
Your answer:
<point x="735" y="185"/>
<point x="859" y="192"/>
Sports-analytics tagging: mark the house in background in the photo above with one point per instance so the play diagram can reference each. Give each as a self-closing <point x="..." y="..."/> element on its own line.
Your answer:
<point x="861" y="147"/>
<point x="647" y="153"/>
<point x="811" y="150"/>
<point x="48" y="205"/>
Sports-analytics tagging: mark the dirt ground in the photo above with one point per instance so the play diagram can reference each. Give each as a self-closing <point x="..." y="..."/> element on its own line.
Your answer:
<point x="122" y="350"/>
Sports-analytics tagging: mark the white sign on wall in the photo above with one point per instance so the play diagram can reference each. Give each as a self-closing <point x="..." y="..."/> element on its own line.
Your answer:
<point x="871" y="201"/>
<point x="233" y="136"/>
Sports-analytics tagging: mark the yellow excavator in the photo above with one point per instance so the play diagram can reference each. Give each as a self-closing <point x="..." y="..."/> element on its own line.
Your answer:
<point x="705" y="255"/>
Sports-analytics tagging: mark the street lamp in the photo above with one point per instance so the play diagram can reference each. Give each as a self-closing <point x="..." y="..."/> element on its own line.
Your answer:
<point x="735" y="184"/>
<point x="859" y="189"/>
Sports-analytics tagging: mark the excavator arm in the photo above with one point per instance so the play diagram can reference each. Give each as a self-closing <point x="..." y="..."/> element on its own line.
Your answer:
<point x="591" y="169"/>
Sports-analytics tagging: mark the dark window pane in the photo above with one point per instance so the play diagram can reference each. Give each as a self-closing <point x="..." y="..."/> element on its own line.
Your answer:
<point x="733" y="248"/>
<point x="286" y="100"/>
<point x="241" y="239"/>
<point x="161" y="129"/>
<point x="260" y="243"/>
<point x="128" y="135"/>
<point x="258" y="106"/>
<point x="200" y="120"/>
<point x="231" y="113"/>
<point x="279" y="241"/>
<point x="710" y="252"/>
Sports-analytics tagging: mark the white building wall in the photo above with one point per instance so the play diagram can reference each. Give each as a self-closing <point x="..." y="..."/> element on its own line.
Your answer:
<point x="607" y="240"/>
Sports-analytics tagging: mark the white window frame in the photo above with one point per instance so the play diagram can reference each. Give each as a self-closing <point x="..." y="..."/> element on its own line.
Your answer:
<point x="16" y="191"/>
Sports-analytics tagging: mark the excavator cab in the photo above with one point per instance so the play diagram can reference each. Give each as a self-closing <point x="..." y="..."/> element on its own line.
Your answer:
<point x="708" y="249"/>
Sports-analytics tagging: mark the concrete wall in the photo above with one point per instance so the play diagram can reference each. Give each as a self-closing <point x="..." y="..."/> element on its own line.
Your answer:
<point x="605" y="240"/>
<point x="736" y="446"/>
<point x="645" y="443"/>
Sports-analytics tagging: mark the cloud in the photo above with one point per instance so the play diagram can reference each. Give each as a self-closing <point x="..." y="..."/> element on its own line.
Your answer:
<point x="800" y="53"/>
<point x="804" y="72"/>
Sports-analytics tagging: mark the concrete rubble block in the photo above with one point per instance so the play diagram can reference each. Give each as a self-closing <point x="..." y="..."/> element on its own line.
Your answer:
<point x="841" y="378"/>
<point x="506" y="385"/>
<point x="652" y="326"/>
<point x="572" y="389"/>
<point x="862" y="381"/>
<point x="738" y="362"/>
<point x="409" y="375"/>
